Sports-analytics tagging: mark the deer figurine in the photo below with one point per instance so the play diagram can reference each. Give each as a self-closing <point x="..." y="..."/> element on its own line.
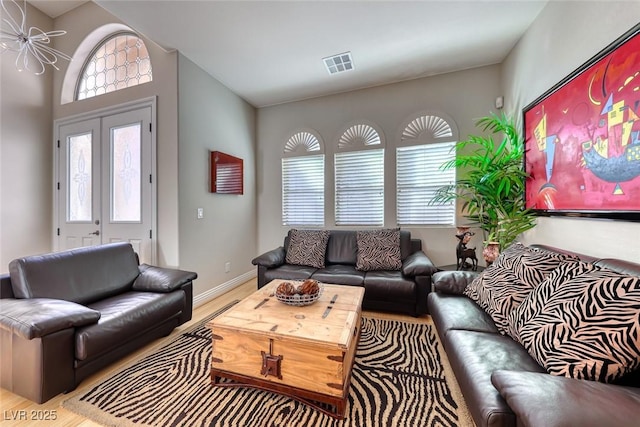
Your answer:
<point x="462" y="252"/>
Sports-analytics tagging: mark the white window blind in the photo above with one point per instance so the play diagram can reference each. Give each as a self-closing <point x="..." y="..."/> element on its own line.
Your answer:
<point x="418" y="175"/>
<point x="359" y="181"/>
<point x="303" y="190"/>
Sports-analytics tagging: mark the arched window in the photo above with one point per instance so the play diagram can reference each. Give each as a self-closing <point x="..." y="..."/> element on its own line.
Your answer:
<point x="119" y="61"/>
<point x="426" y="142"/>
<point x="303" y="180"/>
<point x="359" y="176"/>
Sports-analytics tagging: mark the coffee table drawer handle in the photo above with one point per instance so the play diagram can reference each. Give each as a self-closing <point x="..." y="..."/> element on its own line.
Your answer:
<point x="271" y="363"/>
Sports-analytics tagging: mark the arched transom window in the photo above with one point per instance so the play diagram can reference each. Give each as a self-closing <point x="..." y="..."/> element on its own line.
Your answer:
<point x="120" y="61"/>
<point x="427" y="141"/>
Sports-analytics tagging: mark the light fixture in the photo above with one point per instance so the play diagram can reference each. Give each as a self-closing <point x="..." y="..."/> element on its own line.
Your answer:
<point x="338" y="63"/>
<point x="32" y="45"/>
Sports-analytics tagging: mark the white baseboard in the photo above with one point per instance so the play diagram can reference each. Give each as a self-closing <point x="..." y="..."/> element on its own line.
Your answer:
<point x="207" y="296"/>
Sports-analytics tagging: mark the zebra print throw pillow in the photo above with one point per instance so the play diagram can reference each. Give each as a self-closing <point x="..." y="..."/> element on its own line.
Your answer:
<point x="534" y="265"/>
<point x="378" y="250"/>
<point x="524" y="313"/>
<point x="498" y="291"/>
<point x="307" y="247"/>
<point x="585" y="326"/>
<point x="510" y="255"/>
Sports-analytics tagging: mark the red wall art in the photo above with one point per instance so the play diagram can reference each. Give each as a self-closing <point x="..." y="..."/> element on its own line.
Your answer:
<point x="582" y="138"/>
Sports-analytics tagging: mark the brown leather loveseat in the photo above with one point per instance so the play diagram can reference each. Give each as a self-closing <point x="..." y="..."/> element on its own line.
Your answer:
<point x="504" y="386"/>
<point x="66" y="315"/>
<point x="403" y="289"/>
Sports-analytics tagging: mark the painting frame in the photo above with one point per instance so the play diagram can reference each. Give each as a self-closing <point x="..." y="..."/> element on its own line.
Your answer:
<point x="582" y="138"/>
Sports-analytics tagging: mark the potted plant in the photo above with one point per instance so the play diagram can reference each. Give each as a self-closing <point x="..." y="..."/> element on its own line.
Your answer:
<point x="492" y="182"/>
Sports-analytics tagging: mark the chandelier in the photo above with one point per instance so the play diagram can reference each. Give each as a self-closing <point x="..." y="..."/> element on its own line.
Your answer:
<point x="31" y="45"/>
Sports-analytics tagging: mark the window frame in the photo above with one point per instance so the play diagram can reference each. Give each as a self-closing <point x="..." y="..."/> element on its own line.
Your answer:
<point x="304" y="143"/>
<point x="358" y="137"/>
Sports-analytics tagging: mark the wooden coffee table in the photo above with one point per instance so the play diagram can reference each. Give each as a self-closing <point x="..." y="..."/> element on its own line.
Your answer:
<point x="305" y="353"/>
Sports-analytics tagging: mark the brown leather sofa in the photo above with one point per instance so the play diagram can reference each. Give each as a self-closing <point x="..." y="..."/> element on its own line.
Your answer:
<point x="66" y="315"/>
<point x="503" y="385"/>
<point x="403" y="290"/>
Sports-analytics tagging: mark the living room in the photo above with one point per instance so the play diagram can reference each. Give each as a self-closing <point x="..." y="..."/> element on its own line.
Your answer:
<point x="196" y="113"/>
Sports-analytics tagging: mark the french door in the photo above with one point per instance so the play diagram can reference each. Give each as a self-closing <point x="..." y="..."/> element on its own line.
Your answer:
<point x="105" y="190"/>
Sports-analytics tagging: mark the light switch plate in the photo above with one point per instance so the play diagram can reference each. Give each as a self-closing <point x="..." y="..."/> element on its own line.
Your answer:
<point x="200" y="213"/>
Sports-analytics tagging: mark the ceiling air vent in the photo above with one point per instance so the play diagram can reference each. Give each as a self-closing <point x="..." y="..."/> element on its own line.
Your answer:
<point x="339" y="63"/>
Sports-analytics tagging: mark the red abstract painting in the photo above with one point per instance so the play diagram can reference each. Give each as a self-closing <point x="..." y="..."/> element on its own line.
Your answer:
<point x="583" y="137"/>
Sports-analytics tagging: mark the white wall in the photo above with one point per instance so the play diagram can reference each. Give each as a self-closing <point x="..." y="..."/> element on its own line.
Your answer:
<point x="564" y="36"/>
<point x="464" y="96"/>
<point x="212" y="118"/>
<point x="25" y="156"/>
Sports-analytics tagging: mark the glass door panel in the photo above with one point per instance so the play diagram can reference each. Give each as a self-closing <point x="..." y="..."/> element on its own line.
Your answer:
<point x="126" y="181"/>
<point x="79" y="178"/>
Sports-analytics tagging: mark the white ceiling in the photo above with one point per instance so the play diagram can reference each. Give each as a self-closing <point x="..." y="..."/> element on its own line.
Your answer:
<point x="270" y="52"/>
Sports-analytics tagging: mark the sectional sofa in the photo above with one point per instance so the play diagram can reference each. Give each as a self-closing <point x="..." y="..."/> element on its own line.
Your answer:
<point x="540" y="311"/>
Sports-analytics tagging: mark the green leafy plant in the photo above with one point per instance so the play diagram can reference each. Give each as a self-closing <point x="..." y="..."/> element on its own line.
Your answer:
<point x="491" y="185"/>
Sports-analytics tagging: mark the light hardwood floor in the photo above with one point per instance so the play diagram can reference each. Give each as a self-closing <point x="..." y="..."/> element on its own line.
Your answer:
<point x="13" y="406"/>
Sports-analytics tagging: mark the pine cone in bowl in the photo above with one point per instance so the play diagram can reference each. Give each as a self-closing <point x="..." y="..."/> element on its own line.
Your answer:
<point x="309" y="287"/>
<point x="286" y="288"/>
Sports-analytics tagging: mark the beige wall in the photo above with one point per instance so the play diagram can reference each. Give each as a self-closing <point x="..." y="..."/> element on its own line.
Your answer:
<point x="25" y="156"/>
<point x="563" y="37"/>
<point x="212" y="118"/>
<point x="464" y="96"/>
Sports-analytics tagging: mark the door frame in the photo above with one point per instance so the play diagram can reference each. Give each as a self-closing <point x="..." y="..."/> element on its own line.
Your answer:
<point x="99" y="114"/>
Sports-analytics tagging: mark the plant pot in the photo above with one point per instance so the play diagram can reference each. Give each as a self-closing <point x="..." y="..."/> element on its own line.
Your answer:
<point x="491" y="252"/>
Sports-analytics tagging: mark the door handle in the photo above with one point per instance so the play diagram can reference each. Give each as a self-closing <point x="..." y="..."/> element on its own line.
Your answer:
<point x="96" y="233"/>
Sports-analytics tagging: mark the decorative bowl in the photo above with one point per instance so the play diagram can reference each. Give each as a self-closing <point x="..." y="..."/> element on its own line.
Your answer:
<point x="298" y="299"/>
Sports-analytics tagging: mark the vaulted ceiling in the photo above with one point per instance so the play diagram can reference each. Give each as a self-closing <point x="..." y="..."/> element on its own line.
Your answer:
<point x="270" y="52"/>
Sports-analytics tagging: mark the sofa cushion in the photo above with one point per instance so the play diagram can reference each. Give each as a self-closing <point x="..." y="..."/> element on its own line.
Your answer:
<point x="307" y="247"/>
<point x="80" y="275"/>
<point x="474" y="356"/>
<point x="124" y="317"/>
<point x="339" y="274"/>
<point x="542" y="400"/>
<point x="584" y="327"/>
<point x="451" y="312"/>
<point x="379" y="250"/>
<point x="389" y="285"/>
<point x="289" y="272"/>
<point x="342" y="247"/>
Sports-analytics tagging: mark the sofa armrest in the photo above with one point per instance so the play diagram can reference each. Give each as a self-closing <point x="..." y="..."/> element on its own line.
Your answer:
<point x="418" y="264"/>
<point x="158" y="279"/>
<point x="452" y="282"/>
<point x="540" y="399"/>
<point x="270" y="259"/>
<point x="37" y="317"/>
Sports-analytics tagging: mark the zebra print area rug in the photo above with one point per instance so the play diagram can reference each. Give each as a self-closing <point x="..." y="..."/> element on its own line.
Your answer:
<point x="398" y="380"/>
